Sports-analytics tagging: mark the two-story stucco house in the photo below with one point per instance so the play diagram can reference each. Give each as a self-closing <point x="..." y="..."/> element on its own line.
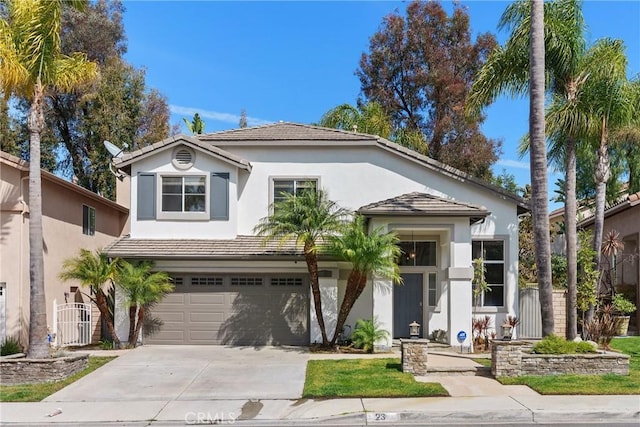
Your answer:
<point x="72" y="218"/>
<point x="195" y="201"/>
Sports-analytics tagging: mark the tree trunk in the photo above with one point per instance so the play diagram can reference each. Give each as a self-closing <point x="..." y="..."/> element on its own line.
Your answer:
<point x="538" y="159"/>
<point x="570" y="221"/>
<point x="141" y="314"/>
<point x="312" y="266"/>
<point x="355" y="285"/>
<point x="602" y="175"/>
<point x="103" y="307"/>
<point x="132" y="324"/>
<point x="38" y="343"/>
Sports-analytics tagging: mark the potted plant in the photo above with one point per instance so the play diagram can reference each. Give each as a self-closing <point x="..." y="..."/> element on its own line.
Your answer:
<point x="622" y="307"/>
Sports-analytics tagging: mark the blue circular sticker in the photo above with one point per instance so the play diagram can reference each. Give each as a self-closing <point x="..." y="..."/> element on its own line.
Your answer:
<point x="462" y="335"/>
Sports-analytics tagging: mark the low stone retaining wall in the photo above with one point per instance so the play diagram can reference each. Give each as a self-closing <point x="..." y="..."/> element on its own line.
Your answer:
<point x="414" y="356"/>
<point x="32" y="371"/>
<point x="514" y="358"/>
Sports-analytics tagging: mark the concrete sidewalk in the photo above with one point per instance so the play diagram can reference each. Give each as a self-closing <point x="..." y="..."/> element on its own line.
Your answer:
<point x="423" y="411"/>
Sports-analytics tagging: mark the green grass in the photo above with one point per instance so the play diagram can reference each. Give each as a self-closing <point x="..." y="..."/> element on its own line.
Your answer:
<point x="37" y="392"/>
<point x="364" y="378"/>
<point x="483" y="361"/>
<point x="591" y="384"/>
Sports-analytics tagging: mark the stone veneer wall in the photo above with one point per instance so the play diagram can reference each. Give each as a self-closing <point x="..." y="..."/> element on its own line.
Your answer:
<point x="513" y="359"/>
<point x="32" y="371"/>
<point x="414" y="356"/>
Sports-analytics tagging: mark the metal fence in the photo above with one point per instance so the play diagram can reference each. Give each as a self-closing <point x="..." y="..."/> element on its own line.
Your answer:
<point x="73" y="324"/>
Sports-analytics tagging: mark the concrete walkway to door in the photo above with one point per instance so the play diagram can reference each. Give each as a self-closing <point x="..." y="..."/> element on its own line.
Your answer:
<point x="188" y="372"/>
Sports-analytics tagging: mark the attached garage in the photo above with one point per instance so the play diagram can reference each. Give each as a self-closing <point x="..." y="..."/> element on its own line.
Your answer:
<point x="234" y="309"/>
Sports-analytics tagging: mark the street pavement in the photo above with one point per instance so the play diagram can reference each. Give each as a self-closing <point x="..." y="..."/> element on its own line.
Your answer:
<point x="274" y="397"/>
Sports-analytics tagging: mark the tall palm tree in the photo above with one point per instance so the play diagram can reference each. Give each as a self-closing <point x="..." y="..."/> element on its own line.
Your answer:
<point x="538" y="160"/>
<point x="31" y="64"/>
<point x="372" y="253"/>
<point x="142" y="287"/>
<point x="507" y="72"/>
<point x="307" y="218"/>
<point x="93" y="269"/>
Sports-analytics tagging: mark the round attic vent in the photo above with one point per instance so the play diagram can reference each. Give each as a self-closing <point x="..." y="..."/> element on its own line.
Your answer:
<point x="183" y="157"/>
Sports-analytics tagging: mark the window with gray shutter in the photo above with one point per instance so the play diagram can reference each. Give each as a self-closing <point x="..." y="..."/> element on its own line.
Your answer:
<point x="219" y="196"/>
<point x="146" y="196"/>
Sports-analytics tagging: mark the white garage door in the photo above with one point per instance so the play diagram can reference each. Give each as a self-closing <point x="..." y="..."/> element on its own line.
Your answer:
<point x="234" y="309"/>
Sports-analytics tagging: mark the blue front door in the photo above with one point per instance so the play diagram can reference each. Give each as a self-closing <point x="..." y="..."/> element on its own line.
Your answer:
<point x="407" y="304"/>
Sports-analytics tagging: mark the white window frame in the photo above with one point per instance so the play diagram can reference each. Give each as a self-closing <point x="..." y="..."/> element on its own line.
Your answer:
<point x="481" y="306"/>
<point x="91" y="230"/>
<point x="294" y="178"/>
<point x="185" y="216"/>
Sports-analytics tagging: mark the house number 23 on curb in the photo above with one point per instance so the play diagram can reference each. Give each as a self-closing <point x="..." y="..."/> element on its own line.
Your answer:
<point x="382" y="417"/>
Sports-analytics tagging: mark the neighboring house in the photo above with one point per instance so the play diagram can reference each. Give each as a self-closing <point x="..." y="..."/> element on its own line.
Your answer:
<point x="623" y="216"/>
<point x="195" y="200"/>
<point x="73" y="218"/>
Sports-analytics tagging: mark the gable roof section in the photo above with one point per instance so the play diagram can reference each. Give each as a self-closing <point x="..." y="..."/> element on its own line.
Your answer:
<point x="22" y="165"/>
<point x="128" y="158"/>
<point x="242" y="247"/>
<point x="423" y="204"/>
<point x="285" y="133"/>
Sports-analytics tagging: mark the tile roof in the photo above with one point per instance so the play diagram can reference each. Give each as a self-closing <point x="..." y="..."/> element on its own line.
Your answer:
<point x="238" y="248"/>
<point x="624" y="202"/>
<point x="128" y="158"/>
<point x="425" y="204"/>
<point x="286" y="131"/>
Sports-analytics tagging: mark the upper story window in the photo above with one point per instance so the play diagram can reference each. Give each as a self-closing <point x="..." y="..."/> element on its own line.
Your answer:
<point x="295" y="186"/>
<point x="492" y="254"/>
<point x="184" y="193"/>
<point x="88" y="220"/>
<point x="418" y="254"/>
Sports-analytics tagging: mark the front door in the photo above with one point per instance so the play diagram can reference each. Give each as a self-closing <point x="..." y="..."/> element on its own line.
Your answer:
<point x="407" y="304"/>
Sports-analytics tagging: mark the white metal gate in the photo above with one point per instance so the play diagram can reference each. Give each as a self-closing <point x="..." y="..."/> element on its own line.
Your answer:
<point x="73" y="324"/>
<point x="530" y="319"/>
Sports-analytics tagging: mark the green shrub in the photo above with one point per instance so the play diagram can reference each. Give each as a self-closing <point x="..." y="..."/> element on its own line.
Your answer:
<point x="557" y="345"/>
<point x="622" y="305"/>
<point x="366" y="334"/>
<point x="10" y="346"/>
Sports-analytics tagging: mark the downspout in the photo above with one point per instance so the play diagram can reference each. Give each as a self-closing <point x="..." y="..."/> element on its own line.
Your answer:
<point x="24" y="210"/>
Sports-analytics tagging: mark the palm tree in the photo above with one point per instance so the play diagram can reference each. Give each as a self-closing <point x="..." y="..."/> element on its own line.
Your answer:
<point x="142" y="287"/>
<point x="569" y="67"/>
<point x="31" y="64"/>
<point x="307" y="218"/>
<point x="196" y="126"/>
<point x="93" y="269"/>
<point x="372" y="253"/>
<point x="538" y="160"/>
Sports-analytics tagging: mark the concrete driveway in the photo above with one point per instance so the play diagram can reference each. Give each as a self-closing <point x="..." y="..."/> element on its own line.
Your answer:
<point x="193" y="373"/>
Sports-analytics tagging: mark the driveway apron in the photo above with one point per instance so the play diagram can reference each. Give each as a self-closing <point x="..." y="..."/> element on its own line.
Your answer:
<point x="193" y="373"/>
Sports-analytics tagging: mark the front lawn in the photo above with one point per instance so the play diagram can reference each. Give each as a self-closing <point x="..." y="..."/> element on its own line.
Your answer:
<point x="37" y="392"/>
<point x="591" y="384"/>
<point x="364" y="378"/>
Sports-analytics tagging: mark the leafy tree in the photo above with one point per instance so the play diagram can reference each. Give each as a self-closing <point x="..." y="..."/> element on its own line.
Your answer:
<point x="373" y="253"/>
<point x="419" y="69"/>
<point x="526" y="246"/>
<point x="243" y="123"/>
<point x="8" y="130"/>
<point x="93" y="269"/>
<point x="142" y="288"/>
<point x="195" y="126"/>
<point x="508" y="182"/>
<point x="32" y="65"/>
<point x="308" y="218"/>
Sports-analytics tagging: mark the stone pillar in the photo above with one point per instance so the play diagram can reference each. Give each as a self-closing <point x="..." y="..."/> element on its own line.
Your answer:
<point x="506" y="357"/>
<point x="414" y="356"/>
<point x="329" y="298"/>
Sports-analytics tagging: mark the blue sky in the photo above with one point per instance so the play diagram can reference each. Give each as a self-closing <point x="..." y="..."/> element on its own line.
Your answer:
<point x="293" y="61"/>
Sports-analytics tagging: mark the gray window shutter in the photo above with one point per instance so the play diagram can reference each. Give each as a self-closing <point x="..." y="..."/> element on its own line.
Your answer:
<point x="219" y="196"/>
<point x="146" y="196"/>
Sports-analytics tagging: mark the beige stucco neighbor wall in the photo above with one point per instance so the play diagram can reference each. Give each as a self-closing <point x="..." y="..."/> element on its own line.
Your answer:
<point x="62" y="230"/>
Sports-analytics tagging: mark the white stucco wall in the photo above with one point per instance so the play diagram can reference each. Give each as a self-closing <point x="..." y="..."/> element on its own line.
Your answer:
<point x="187" y="229"/>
